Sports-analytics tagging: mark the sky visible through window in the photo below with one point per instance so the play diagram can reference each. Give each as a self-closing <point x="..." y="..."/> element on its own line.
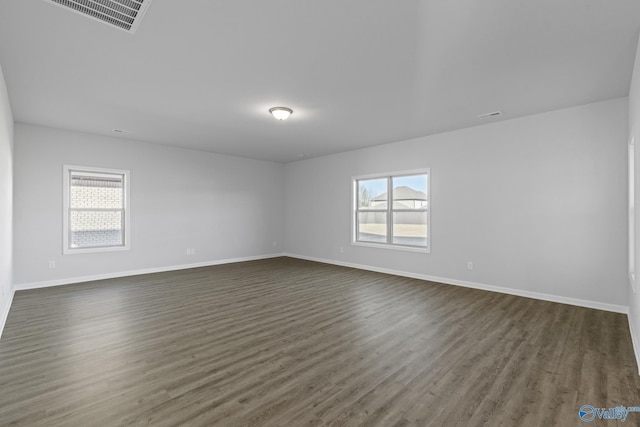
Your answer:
<point x="417" y="182"/>
<point x="376" y="187"/>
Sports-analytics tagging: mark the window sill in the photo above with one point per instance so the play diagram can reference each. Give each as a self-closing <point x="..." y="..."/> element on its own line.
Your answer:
<point x="95" y="250"/>
<point x="393" y="247"/>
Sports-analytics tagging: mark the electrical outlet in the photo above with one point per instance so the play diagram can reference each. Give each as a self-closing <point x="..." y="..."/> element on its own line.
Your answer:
<point x="52" y="264"/>
<point x="191" y="251"/>
<point x="341" y="250"/>
<point x="469" y="265"/>
<point x="275" y="243"/>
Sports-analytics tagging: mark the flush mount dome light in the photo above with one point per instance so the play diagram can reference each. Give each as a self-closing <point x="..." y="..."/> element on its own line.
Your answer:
<point x="281" y="113"/>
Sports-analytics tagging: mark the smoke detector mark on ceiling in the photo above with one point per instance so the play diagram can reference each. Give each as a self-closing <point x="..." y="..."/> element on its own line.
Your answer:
<point x="123" y="14"/>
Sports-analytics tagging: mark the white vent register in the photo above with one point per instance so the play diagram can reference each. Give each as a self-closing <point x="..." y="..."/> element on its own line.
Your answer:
<point x="123" y="14"/>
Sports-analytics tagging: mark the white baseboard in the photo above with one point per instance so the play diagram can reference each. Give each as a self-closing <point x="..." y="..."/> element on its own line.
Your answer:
<point x="71" y="280"/>
<point x="635" y="341"/>
<point x="4" y="314"/>
<point x="528" y="294"/>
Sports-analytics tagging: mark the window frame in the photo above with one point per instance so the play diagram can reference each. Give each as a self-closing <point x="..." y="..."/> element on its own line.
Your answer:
<point x="66" y="208"/>
<point x="355" y="210"/>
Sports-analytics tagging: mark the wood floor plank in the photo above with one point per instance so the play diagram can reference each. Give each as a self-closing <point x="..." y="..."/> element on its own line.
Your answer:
<point x="286" y="342"/>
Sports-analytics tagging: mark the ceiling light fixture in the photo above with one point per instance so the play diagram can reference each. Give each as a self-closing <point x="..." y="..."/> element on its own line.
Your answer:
<point x="281" y="113"/>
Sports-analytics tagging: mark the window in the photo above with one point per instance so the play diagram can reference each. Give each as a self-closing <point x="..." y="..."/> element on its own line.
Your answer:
<point x="96" y="214"/>
<point x="392" y="210"/>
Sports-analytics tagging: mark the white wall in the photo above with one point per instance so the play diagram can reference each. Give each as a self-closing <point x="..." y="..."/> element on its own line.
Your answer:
<point x="634" y="131"/>
<point x="224" y="207"/>
<point x="6" y="201"/>
<point x="537" y="203"/>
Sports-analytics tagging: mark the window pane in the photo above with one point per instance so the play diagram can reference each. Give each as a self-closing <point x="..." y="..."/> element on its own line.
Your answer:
<point x="410" y="228"/>
<point x="410" y="192"/>
<point x="90" y="192"/>
<point x="96" y="228"/>
<point x="372" y="193"/>
<point x="372" y="227"/>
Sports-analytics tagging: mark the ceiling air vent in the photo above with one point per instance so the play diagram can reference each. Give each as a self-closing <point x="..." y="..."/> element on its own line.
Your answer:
<point x="123" y="14"/>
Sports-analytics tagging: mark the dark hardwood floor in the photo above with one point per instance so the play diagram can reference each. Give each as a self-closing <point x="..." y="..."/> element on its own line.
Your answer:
<point x="285" y="342"/>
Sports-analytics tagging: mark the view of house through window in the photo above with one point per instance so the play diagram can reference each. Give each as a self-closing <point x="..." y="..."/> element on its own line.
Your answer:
<point x="96" y="202"/>
<point x="393" y="210"/>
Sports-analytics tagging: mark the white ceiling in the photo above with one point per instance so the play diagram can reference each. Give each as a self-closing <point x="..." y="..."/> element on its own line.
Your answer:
<point x="202" y="73"/>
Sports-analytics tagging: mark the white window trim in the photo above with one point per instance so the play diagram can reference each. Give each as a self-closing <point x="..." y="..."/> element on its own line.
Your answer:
<point x="354" y="209"/>
<point x="66" y="250"/>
